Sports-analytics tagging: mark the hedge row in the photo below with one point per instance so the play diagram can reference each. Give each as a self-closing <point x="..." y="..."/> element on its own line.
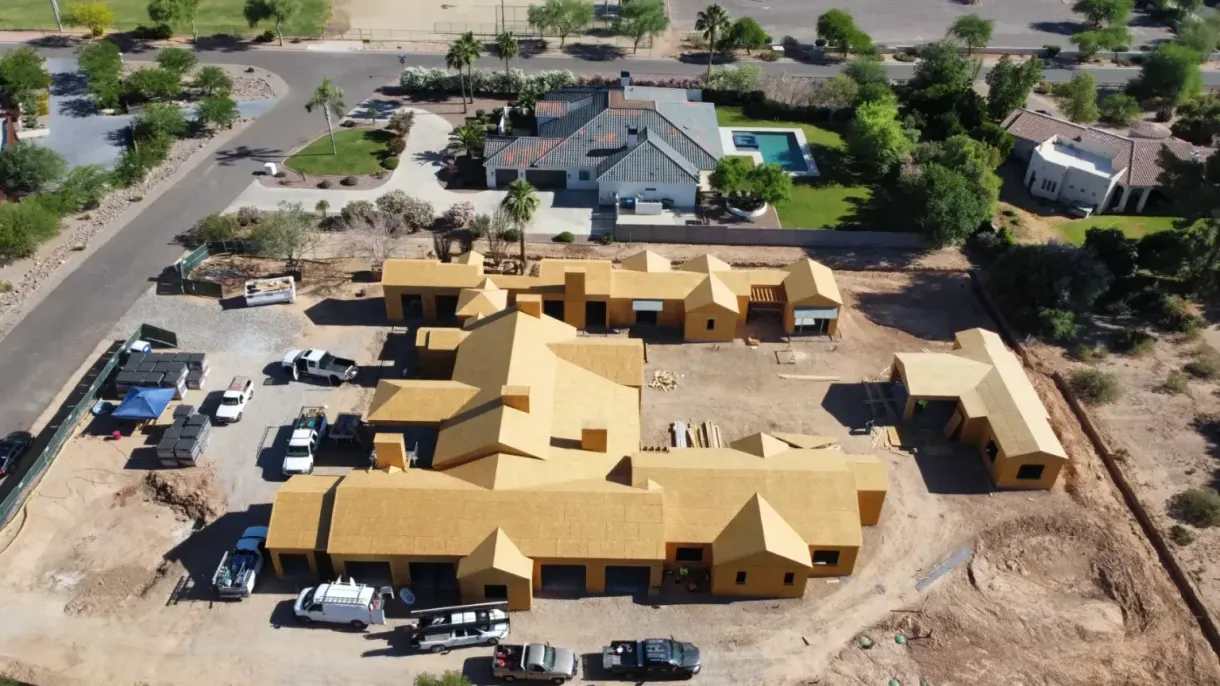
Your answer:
<point x="485" y="81"/>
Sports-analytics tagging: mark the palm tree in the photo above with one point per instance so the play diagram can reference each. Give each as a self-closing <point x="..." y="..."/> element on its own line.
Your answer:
<point x="328" y="98"/>
<point x="520" y="203"/>
<point x="454" y="59"/>
<point x="467" y="138"/>
<point x="713" y="23"/>
<point x="472" y="50"/>
<point x="508" y="47"/>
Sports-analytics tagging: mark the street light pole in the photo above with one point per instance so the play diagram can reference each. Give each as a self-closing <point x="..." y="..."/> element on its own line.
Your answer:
<point x="55" y="9"/>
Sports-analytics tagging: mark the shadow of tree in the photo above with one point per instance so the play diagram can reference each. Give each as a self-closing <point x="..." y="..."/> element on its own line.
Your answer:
<point x="221" y="42"/>
<point x="232" y="156"/>
<point x="596" y="52"/>
<point x="68" y="83"/>
<point x="1062" y="28"/>
<point x="78" y="108"/>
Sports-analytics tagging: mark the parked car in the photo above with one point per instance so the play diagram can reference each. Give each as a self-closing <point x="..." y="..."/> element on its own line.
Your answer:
<point x="233" y="402"/>
<point x="533" y="662"/>
<point x="12" y="448"/>
<point x="653" y="658"/>
<point x="340" y="602"/>
<point x="441" y="629"/>
<point x="238" y="570"/>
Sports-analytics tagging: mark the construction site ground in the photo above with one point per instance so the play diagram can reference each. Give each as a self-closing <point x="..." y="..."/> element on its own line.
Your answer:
<point x="1060" y="589"/>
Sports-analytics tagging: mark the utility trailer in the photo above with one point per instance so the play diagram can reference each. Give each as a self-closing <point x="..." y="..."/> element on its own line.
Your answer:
<point x="279" y="289"/>
<point x="238" y="570"/>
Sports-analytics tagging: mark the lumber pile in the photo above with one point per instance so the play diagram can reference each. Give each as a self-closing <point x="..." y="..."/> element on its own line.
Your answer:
<point x="808" y="377"/>
<point x="693" y="435"/>
<point x="664" y="380"/>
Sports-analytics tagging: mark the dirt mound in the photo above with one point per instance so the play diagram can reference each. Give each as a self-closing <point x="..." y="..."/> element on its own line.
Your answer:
<point x="194" y="493"/>
<point x="104" y="592"/>
<point x="1056" y="598"/>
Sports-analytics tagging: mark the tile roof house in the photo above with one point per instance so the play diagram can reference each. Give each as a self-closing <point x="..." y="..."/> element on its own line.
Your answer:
<point x="538" y="482"/>
<point x="625" y="142"/>
<point x="705" y="297"/>
<point x="996" y="407"/>
<point x="1081" y="165"/>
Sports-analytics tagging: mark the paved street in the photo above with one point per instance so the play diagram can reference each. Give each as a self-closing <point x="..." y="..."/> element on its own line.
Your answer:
<point x="40" y="353"/>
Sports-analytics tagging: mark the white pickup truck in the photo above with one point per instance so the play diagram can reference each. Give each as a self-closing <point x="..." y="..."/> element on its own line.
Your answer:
<point x="233" y="402"/>
<point x="238" y="570"/>
<point x="308" y="430"/>
<point x="320" y="364"/>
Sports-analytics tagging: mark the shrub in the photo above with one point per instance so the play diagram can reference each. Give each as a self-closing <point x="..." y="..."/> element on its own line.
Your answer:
<point x="1057" y="325"/>
<point x="1181" y="535"/>
<point x="249" y="215"/>
<point x="821" y="42"/>
<point x="565" y="237"/>
<point x="348" y="181"/>
<point x="1177" y="383"/>
<point x="134" y="164"/>
<point x="1083" y="353"/>
<point x="390" y="163"/>
<point x="485" y="81"/>
<point x="359" y="212"/>
<point x="83" y="188"/>
<point x="397" y="145"/>
<point x="1136" y="342"/>
<point x="418" y="214"/>
<point x="266" y="36"/>
<point x="904" y="57"/>
<point x="325" y="183"/>
<point x="511" y="235"/>
<point x="177" y="60"/>
<point x="1050" y="52"/>
<point x="1197" y="506"/>
<point x="606" y="239"/>
<point x="152" y="84"/>
<point x="458" y="215"/>
<point x="400" y="123"/>
<point x="1174" y="316"/>
<point x="27" y="168"/>
<point x="768" y="56"/>
<point x="1095" y="387"/>
<point x="1206" y="363"/>
<point x="23" y="226"/>
<point x="214" y="227"/>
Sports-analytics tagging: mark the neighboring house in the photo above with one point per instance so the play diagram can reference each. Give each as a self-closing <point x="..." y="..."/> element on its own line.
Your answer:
<point x="705" y="297"/>
<point x="649" y="144"/>
<point x="538" y="482"/>
<point x="1082" y="166"/>
<point x="996" y="407"/>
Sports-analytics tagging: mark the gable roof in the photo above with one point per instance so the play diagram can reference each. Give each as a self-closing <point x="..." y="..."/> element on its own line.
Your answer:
<point x="300" y="516"/>
<point x="760" y="444"/>
<point x="705" y="264"/>
<point x="485" y="300"/>
<point x="646" y="261"/>
<point x="410" y="401"/>
<point x="521" y="152"/>
<point x="811" y="281"/>
<point x="711" y="292"/>
<point x="989" y="381"/>
<point x="1138" y="156"/>
<point x="496" y="552"/>
<point x="759" y="530"/>
<point x="605" y="134"/>
<point x="652" y="161"/>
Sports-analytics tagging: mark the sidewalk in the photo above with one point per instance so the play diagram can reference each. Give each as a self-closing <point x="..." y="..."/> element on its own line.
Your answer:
<point x="416" y="176"/>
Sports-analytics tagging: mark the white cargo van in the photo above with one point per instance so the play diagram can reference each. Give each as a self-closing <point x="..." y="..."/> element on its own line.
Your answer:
<point x="343" y="602"/>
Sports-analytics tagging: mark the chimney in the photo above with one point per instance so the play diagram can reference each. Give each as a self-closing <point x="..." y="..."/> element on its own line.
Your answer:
<point x="624" y="78"/>
<point x="516" y="397"/>
<point x="633" y="137"/>
<point x="390" y="451"/>
<point x="530" y="303"/>
<point x="593" y="439"/>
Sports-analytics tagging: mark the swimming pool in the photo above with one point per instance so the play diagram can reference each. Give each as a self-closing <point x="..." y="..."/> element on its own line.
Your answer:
<point x="779" y="147"/>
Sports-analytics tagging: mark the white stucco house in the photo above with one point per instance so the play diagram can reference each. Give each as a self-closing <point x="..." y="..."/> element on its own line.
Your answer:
<point x="628" y="142"/>
<point x="1081" y="166"/>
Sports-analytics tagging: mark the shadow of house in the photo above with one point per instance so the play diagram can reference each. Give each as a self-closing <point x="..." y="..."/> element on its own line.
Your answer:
<point x="847" y="403"/>
<point x="336" y="312"/>
<point x="919" y="309"/>
<point x="200" y="553"/>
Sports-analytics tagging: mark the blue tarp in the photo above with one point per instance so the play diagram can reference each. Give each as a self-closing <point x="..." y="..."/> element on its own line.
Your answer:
<point x="144" y="403"/>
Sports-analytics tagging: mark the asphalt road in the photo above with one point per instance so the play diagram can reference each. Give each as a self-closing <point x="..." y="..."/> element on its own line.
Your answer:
<point x="38" y="356"/>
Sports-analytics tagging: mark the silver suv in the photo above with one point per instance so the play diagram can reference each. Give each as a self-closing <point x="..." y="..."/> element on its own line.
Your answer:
<point x="461" y="629"/>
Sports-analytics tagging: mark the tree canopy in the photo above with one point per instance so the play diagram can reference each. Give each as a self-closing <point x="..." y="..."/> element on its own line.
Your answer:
<point x="1199" y="120"/>
<point x="1010" y="85"/>
<point x="561" y="17"/>
<point x="748" y="34"/>
<point x="839" y="30"/>
<point x="973" y="31"/>
<point x="1102" y="13"/>
<point x="1078" y="98"/>
<point x="1170" y="74"/>
<point x="23" y="70"/>
<point x="747" y="185"/>
<point x="26" y="168"/>
<point x="281" y="11"/>
<point x="940" y="99"/>
<point x="1120" y="109"/>
<point x="877" y="143"/>
<point x="640" y="19"/>
<point x="172" y="12"/>
<point x="944" y="204"/>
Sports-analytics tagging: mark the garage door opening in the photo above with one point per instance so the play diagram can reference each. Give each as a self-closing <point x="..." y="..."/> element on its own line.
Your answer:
<point x="595" y="314"/>
<point x="295" y="565"/>
<point x="505" y="177"/>
<point x="546" y="178"/>
<point x="553" y="309"/>
<point x="813" y="321"/>
<point x="446" y="308"/>
<point x="627" y="580"/>
<point x="370" y="573"/>
<point x="563" y="578"/>
<point x="433" y="576"/>
<point x="412" y="305"/>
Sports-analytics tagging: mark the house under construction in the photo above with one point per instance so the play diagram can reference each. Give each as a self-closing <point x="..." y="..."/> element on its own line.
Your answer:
<point x="537" y="480"/>
<point x="705" y="298"/>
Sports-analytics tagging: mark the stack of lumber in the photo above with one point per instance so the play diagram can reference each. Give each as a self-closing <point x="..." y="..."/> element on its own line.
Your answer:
<point x="663" y="380"/>
<point x="705" y="435"/>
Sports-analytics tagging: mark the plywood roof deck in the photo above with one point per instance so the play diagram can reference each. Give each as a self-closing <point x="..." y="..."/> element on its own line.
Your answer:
<point x="417" y="401"/>
<point x="757" y="530"/>
<point x="301" y="514"/>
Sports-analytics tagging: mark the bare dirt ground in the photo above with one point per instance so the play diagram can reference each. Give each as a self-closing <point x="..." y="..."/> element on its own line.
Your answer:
<point x="1165" y="451"/>
<point x="1059" y="576"/>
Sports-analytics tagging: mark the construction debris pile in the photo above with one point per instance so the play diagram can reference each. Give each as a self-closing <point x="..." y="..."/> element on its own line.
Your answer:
<point x="664" y="380"/>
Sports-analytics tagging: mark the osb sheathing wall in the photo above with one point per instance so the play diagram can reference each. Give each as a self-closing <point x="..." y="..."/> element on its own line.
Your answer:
<point x="595" y="571"/>
<point x="764" y="578"/>
<point x="393" y="300"/>
<point x="870" y="503"/>
<point x="1003" y="470"/>
<point x="847" y="562"/>
<point x="400" y="569"/>
<point x="724" y="325"/>
<point x="278" y="565"/>
<point x="622" y="315"/>
<point x="520" y="591"/>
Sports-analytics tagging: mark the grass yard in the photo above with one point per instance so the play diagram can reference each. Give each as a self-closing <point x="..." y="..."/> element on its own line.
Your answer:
<point x="215" y="16"/>
<point x="360" y="152"/>
<point x="833" y="202"/>
<point x="1133" y="225"/>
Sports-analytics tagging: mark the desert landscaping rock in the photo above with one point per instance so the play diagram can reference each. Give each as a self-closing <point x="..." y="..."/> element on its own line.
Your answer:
<point x="250" y="86"/>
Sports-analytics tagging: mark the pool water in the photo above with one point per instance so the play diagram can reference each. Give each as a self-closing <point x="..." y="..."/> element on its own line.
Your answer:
<point x="781" y="149"/>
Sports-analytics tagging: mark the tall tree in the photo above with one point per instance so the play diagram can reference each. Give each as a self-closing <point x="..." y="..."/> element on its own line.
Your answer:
<point x="940" y="99"/>
<point x="749" y="34"/>
<point x="839" y="30"/>
<point x="1078" y="98"/>
<point x="1170" y="74"/>
<point x="973" y="31"/>
<point x="944" y="204"/>
<point x="1194" y="189"/>
<point x="455" y="58"/>
<point x="471" y="50"/>
<point x="1010" y="85"/>
<point x="217" y="111"/>
<point x="561" y="17"/>
<point x="174" y="12"/>
<point x="1199" y="121"/>
<point x="279" y="10"/>
<point x="467" y="139"/>
<point x="288" y="233"/>
<point x="329" y="98"/>
<point x="93" y="15"/>
<point x="1099" y="14"/>
<point x="23" y="70"/>
<point x="712" y="22"/>
<point x="639" y="19"/>
<point x="877" y="143"/>
<point x="1201" y="34"/>
<point x="212" y="80"/>
<point x="508" y="47"/>
<point x="521" y="204"/>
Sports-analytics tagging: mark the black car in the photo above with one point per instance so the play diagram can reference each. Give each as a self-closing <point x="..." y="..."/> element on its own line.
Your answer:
<point x="12" y="448"/>
<point x="652" y="659"/>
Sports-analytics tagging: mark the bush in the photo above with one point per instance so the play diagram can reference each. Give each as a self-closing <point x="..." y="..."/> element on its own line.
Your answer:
<point x="1206" y="363"/>
<point x="1136" y="342"/>
<point x="418" y="214"/>
<point x="1095" y="387"/>
<point x="1174" y="316"/>
<point x="1050" y="52"/>
<point x="397" y="145"/>
<point x="904" y="57"/>
<point x="458" y="216"/>
<point x="390" y="163"/>
<point x="265" y="37"/>
<point x="400" y="123"/>
<point x="606" y="239"/>
<point x="821" y="42"/>
<point x="249" y="215"/>
<point x="360" y="211"/>
<point x="565" y="237"/>
<point x="177" y="60"/>
<point x="1177" y="383"/>
<point x="485" y="81"/>
<point x="348" y="181"/>
<point x="325" y="183"/>
<point x="135" y="163"/>
<point x="23" y="226"/>
<point x="768" y="56"/>
<point x="1057" y="325"/>
<point x="214" y="227"/>
<point x="1197" y="506"/>
<point x="1181" y="535"/>
<point x="1084" y="353"/>
<point x="152" y="84"/>
<point x="83" y="188"/>
<point x="512" y="235"/>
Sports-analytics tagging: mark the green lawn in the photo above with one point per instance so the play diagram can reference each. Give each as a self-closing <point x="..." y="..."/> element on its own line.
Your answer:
<point x="835" y="200"/>
<point x="1133" y="225"/>
<point x="360" y="152"/>
<point x="215" y="16"/>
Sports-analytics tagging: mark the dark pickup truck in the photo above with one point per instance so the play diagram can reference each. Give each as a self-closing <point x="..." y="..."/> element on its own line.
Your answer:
<point x="652" y="659"/>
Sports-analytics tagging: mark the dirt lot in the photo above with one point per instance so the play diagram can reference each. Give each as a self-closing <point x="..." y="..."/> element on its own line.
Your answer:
<point x="1060" y="590"/>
